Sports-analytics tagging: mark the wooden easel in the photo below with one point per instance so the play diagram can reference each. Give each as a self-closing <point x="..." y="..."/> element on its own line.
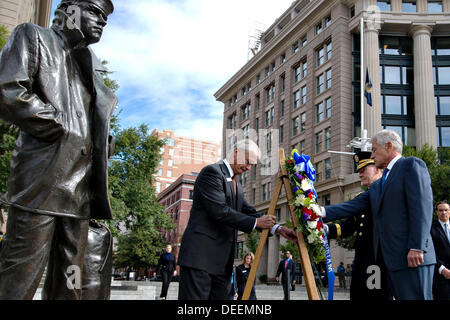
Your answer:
<point x="283" y="179"/>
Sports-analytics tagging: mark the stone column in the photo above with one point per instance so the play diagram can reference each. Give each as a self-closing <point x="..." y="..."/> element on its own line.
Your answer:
<point x="396" y="5"/>
<point x="422" y="6"/>
<point x="446" y="5"/>
<point x="423" y="87"/>
<point x="372" y="115"/>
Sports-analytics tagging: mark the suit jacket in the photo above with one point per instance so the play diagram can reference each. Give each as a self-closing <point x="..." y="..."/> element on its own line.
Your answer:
<point x="209" y="239"/>
<point x="283" y="271"/>
<point x="166" y="265"/>
<point x="402" y="213"/>
<point x="442" y="248"/>
<point x="59" y="166"/>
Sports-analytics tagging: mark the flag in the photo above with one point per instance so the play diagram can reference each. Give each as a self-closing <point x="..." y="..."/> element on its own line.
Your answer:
<point x="368" y="88"/>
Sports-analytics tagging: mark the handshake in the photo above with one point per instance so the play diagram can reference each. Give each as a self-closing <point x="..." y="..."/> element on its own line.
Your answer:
<point x="268" y="222"/>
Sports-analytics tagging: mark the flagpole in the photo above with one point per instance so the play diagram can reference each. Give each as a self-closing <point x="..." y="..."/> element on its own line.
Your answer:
<point x="363" y="130"/>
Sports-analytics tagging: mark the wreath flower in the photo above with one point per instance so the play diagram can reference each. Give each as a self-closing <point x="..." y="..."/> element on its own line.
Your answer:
<point x="302" y="176"/>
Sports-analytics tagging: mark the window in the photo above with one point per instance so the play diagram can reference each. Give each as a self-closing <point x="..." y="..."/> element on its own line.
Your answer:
<point x="319" y="141"/>
<point x="160" y="172"/>
<point x="170" y="163"/>
<point x="328" y="108"/>
<point x="441" y="46"/>
<point x="409" y="6"/>
<point x="407" y="134"/>
<point x="239" y="250"/>
<point x="257" y="98"/>
<point x="324" y="53"/>
<point x="282" y="108"/>
<point x="304" y="41"/>
<point x="249" y="87"/>
<point x="297" y="73"/>
<point x="158" y="187"/>
<point x="320" y="85"/>
<point x="303" y="121"/>
<point x="392" y="75"/>
<point x="443" y="135"/>
<point x="263" y="192"/>
<point x="300" y="71"/>
<point x="171" y="152"/>
<point x="320" y="56"/>
<point x="296" y="99"/>
<point x="319" y="112"/>
<point x="302" y="146"/>
<point x="246" y="111"/>
<point x="442" y="75"/>
<point x="283" y="83"/>
<point x="435" y="6"/>
<point x="253" y="195"/>
<point x="442" y="105"/>
<point x="329" y="47"/>
<point x="328" y="79"/>
<point x="281" y="134"/>
<point x="269" y="117"/>
<point x="268" y="141"/>
<point x="303" y="90"/>
<point x="304" y="69"/>
<point x="318" y="29"/>
<point x="352" y="12"/>
<point x="326" y="200"/>
<point x="246" y="131"/>
<point x="267" y="72"/>
<point x="384" y="5"/>
<point x="327" y="169"/>
<point x="169" y="173"/>
<point x="232" y="121"/>
<point x="283" y="58"/>
<point x="295" y="124"/>
<point x="170" y="142"/>
<point x="270" y="93"/>
<point x="327" y="138"/>
<point x="272" y="66"/>
<point x="161" y="150"/>
<point x="295" y="48"/>
<point x="258" y="78"/>
<point x="243" y="91"/>
<point x="327" y="21"/>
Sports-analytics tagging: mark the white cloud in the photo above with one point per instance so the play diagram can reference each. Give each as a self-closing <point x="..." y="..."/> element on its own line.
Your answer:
<point x="169" y="58"/>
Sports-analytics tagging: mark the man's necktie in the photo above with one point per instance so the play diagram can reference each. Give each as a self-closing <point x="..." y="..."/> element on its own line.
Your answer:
<point x="234" y="184"/>
<point x="285" y="264"/>
<point x="447" y="232"/>
<point x="383" y="179"/>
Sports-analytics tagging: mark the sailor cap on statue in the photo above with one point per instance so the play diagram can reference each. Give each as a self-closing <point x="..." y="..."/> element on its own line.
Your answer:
<point x="362" y="160"/>
<point x="105" y="5"/>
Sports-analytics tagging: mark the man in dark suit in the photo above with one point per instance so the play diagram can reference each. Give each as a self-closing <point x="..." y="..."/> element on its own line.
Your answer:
<point x="361" y="226"/>
<point x="167" y="264"/>
<point x="218" y="210"/>
<point x="287" y="269"/>
<point x="402" y="207"/>
<point x="440" y="232"/>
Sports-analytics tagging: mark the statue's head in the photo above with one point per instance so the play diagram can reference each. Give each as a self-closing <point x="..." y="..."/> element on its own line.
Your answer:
<point x="87" y="18"/>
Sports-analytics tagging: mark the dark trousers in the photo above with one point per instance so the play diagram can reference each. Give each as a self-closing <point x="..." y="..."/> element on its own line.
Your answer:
<point x="31" y="242"/>
<point x="200" y="285"/>
<point x="166" y="278"/>
<point x="441" y="288"/>
<point x="412" y="283"/>
<point x="342" y="283"/>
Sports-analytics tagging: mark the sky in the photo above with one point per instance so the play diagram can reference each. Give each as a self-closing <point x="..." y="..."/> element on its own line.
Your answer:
<point x="170" y="57"/>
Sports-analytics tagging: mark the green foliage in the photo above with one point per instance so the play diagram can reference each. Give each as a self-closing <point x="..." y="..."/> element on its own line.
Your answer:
<point x="138" y="217"/>
<point x="110" y="83"/>
<point x="4" y="35"/>
<point x="289" y="246"/>
<point x="347" y="242"/>
<point x="252" y="241"/>
<point x="439" y="168"/>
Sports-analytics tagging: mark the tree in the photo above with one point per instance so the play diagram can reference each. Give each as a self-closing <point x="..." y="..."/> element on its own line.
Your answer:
<point x="252" y="241"/>
<point x="138" y="217"/>
<point x="8" y="132"/>
<point x="438" y="163"/>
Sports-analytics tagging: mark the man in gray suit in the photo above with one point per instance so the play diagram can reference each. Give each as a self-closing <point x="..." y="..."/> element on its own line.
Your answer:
<point x="402" y="206"/>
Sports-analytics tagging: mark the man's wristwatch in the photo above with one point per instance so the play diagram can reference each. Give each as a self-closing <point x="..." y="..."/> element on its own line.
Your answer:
<point x="278" y="231"/>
